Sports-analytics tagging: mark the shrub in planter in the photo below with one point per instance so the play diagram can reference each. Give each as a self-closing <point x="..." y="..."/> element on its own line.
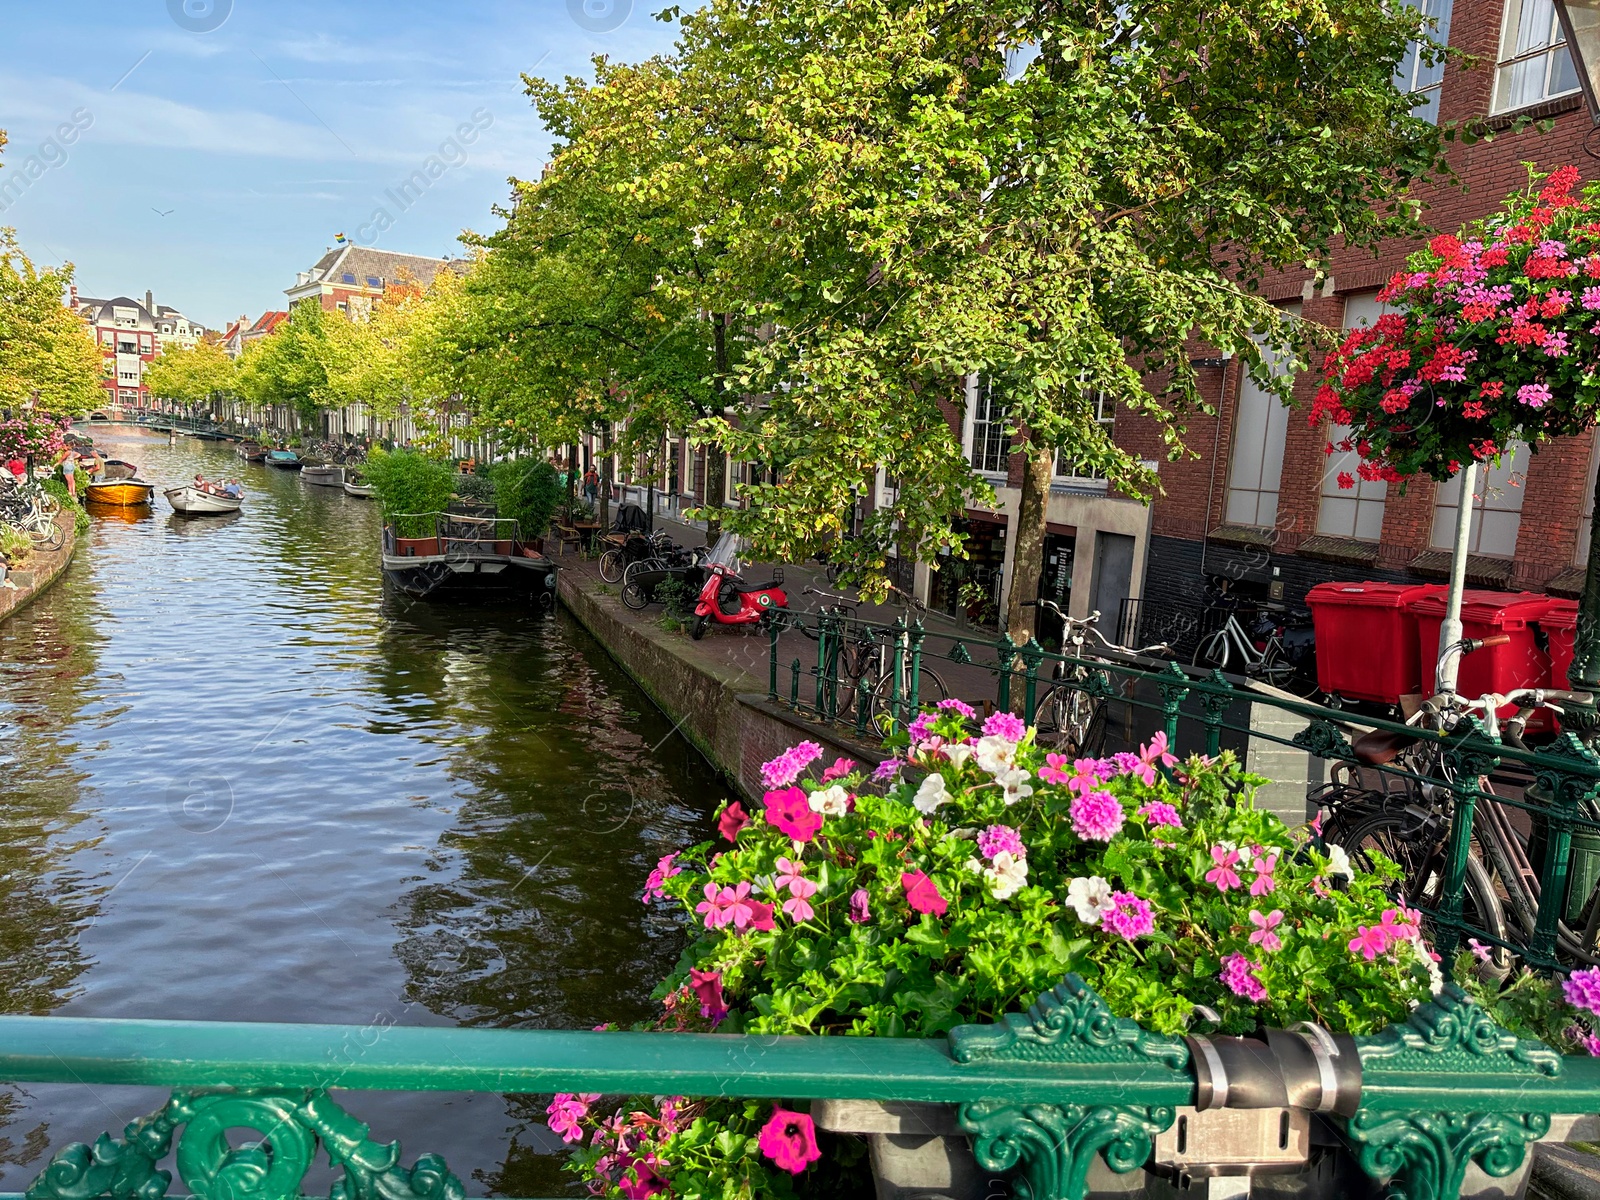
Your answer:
<point x="527" y="491"/>
<point x="955" y="884"/>
<point x="407" y="483"/>
<point x="15" y="545"/>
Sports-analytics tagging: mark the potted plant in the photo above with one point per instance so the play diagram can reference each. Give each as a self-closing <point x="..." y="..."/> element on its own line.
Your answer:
<point x="958" y="881"/>
<point x="17" y="549"/>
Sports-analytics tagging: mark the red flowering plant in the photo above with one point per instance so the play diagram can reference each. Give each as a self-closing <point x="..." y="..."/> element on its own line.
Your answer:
<point x="1493" y="335"/>
<point x="954" y="884"/>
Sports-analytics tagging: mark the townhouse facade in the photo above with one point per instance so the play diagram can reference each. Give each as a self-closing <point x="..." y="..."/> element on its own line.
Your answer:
<point x="350" y="279"/>
<point x="130" y="334"/>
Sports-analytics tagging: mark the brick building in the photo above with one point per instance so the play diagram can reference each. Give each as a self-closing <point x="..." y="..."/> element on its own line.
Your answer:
<point x="130" y="335"/>
<point x="1261" y="508"/>
<point x="350" y="278"/>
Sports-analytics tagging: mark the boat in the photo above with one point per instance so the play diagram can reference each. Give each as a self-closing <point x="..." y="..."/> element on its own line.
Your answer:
<point x="322" y="474"/>
<point x="114" y="469"/>
<point x="355" y="484"/>
<point x="194" y="502"/>
<point x="119" y="493"/>
<point x="251" y="451"/>
<point x="286" y="460"/>
<point x="467" y="558"/>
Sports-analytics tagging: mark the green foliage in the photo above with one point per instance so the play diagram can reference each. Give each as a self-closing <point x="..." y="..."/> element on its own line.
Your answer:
<point x="477" y="488"/>
<point x="527" y="490"/>
<point x="408" y="487"/>
<point x="80" y="515"/>
<point x="15" y="545"/>
<point x="290" y="367"/>
<point x="191" y="377"/>
<point x="1528" y="1003"/>
<point x="678" y="598"/>
<point x="44" y="347"/>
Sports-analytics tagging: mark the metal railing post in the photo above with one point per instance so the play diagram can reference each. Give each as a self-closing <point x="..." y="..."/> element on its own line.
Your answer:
<point x="914" y="638"/>
<point x="1213" y="707"/>
<point x="1007" y="649"/>
<point x="895" y="712"/>
<point x="772" y="661"/>
<point x="1032" y="655"/>
<point x="1474" y="756"/>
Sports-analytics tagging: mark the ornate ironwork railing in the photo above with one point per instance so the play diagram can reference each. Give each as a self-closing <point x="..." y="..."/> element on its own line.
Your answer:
<point x="1041" y="1095"/>
<point x="867" y="677"/>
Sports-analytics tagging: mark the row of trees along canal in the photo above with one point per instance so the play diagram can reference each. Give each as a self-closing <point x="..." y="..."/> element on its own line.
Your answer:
<point x="795" y="236"/>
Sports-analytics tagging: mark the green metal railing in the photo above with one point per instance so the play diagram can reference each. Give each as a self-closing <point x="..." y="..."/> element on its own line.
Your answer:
<point x="1557" y="787"/>
<point x="1041" y="1095"/>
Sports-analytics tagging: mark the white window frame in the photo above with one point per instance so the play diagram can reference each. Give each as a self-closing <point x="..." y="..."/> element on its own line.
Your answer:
<point x="1542" y="59"/>
<point x="1352" y="512"/>
<point x="1255" y="463"/>
<point x="1105" y="415"/>
<point x="1500" y="492"/>
<point x="980" y="455"/>
<point x="1412" y="75"/>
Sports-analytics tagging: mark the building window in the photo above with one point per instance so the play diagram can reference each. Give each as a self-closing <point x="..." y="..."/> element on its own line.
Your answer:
<point x="990" y="447"/>
<point x="348" y="278"/>
<point x="1355" y="512"/>
<point x="1534" y="62"/>
<point x="1261" y="422"/>
<point x="1105" y="415"/>
<point x="1414" y="75"/>
<point x="1496" y="506"/>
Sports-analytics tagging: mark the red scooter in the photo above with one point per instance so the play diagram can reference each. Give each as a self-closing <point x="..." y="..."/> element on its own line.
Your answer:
<point x="728" y="600"/>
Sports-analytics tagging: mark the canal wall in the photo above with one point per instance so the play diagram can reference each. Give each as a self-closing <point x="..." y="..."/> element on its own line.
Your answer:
<point x="44" y="566"/>
<point x="722" y="709"/>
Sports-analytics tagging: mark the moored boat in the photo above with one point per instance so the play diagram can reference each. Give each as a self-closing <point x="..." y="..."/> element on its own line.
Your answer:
<point x="322" y="474"/>
<point x="355" y="484"/>
<point x="286" y="460"/>
<point x="119" y="493"/>
<point x="468" y="558"/>
<point x="114" y="469"/>
<point x="193" y="501"/>
<point x="250" y="451"/>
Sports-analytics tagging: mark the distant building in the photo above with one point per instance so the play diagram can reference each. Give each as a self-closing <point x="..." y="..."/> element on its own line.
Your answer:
<point x="242" y="332"/>
<point x="130" y="334"/>
<point x="350" y="278"/>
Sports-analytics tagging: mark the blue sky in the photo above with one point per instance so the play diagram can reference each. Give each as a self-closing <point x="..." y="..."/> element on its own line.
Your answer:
<point x="263" y="138"/>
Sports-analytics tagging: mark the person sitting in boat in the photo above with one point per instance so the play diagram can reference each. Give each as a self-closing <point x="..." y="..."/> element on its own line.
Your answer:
<point x="234" y="489"/>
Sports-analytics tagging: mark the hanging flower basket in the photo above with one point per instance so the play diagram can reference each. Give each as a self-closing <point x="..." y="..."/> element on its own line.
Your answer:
<point x="1494" y="335"/>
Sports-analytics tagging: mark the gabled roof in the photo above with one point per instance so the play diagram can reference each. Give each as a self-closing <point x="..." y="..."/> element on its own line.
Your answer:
<point x="268" y="321"/>
<point x="386" y="266"/>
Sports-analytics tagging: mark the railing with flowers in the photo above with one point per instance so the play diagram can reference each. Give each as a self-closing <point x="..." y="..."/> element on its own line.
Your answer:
<point x="1111" y="703"/>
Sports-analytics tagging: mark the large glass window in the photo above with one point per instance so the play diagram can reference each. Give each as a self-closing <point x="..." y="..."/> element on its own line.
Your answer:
<point x="1105" y="415"/>
<point x="1414" y="75"/>
<point x="990" y="447"/>
<point x="1355" y="512"/>
<point x="1534" y="62"/>
<point x="1496" y="506"/>
<point x="1262" y="421"/>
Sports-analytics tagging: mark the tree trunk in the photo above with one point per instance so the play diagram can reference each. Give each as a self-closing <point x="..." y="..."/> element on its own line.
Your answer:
<point x="605" y="479"/>
<point x="1027" y="550"/>
<point x="716" y="459"/>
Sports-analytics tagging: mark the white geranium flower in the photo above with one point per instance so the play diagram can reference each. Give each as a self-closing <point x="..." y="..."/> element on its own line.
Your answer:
<point x="957" y="753"/>
<point x="1339" y="862"/>
<point x="1435" y="976"/>
<point x="1007" y="875"/>
<point x="1017" y="784"/>
<point x="1090" y="898"/>
<point x="996" y="754"/>
<point x="830" y="801"/>
<point x="931" y="794"/>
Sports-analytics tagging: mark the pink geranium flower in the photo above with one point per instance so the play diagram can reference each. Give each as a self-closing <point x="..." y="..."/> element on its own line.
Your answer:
<point x="1096" y="816"/>
<point x="1006" y="725"/>
<point x="841" y="767"/>
<point x="789" y="872"/>
<point x="727" y="906"/>
<point x="789" y="811"/>
<point x="789" y="1139"/>
<point x="1264" y="935"/>
<point x="1223" y="874"/>
<point x="732" y="820"/>
<point x="664" y="871"/>
<point x="1264" y="866"/>
<point x="860" y="912"/>
<point x="1158" y="812"/>
<point x="707" y="987"/>
<point x="1370" y="941"/>
<point x="567" y="1111"/>
<point x="923" y="894"/>
<point x="1151" y="756"/>
<point x="786" y="768"/>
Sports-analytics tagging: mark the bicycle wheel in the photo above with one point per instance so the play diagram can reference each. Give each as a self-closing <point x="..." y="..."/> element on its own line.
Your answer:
<point x="49" y="537"/>
<point x="930" y="689"/>
<point x="644" y="564"/>
<point x="1422" y="862"/>
<point x="1063" y="718"/>
<point x="48" y="504"/>
<point x="634" y="596"/>
<point x="1281" y="673"/>
<point x="1212" y="653"/>
<point x="611" y="566"/>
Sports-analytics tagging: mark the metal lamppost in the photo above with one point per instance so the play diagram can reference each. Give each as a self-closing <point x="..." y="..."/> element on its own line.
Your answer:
<point x="1580" y="21"/>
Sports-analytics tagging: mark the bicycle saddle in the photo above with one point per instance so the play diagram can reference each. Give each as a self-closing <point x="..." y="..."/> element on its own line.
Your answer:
<point x="1378" y="747"/>
<point x="754" y="587"/>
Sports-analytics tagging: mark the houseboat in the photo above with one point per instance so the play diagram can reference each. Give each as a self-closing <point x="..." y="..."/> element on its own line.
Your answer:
<point x="322" y="474"/>
<point x="284" y="460"/>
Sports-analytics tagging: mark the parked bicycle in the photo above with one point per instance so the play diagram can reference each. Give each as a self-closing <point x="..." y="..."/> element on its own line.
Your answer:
<point x="1071" y="715"/>
<point x="860" y="668"/>
<point x="1409" y="821"/>
<point x="1262" y="653"/>
<point x="30" y="508"/>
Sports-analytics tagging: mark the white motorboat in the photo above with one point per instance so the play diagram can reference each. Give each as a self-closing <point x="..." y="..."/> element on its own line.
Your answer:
<point x="355" y="484"/>
<point x="193" y="501"/>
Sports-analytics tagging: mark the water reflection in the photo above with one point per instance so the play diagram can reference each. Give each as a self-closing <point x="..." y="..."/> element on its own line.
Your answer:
<point x="245" y="784"/>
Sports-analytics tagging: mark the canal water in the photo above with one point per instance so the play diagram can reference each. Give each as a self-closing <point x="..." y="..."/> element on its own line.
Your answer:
<point x="242" y="782"/>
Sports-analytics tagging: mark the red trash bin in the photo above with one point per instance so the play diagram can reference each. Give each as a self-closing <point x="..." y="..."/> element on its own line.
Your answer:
<point x="1367" y="638"/>
<point x="1519" y="663"/>
<point x="1560" y="625"/>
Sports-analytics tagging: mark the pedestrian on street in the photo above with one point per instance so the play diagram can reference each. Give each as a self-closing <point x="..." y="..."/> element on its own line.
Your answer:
<point x="69" y="472"/>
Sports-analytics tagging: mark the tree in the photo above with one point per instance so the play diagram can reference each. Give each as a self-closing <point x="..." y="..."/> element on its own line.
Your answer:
<point x="290" y="366"/>
<point x="46" y="355"/>
<point x="923" y="209"/>
<point x="192" y="377"/>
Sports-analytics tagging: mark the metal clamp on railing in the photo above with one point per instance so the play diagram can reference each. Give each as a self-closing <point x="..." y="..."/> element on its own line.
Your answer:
<point x="1306" y="1068"/>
